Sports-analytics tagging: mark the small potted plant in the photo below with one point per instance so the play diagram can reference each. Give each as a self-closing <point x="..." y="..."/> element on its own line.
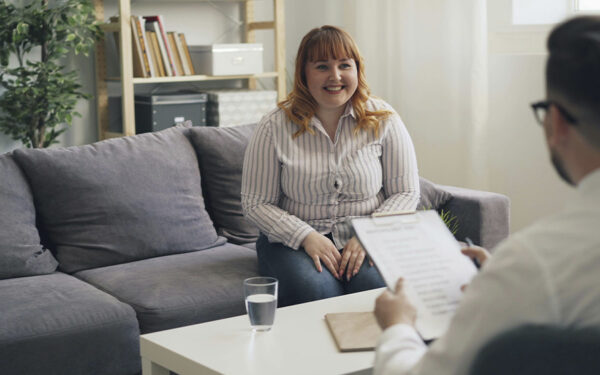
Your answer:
<point x="38" y="97"/>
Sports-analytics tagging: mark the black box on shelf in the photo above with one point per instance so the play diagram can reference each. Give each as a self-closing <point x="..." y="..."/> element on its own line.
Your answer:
<point x="158" y="112"/>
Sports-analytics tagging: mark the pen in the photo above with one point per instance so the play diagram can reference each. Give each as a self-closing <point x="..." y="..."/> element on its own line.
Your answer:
<point x="470" y="244"/>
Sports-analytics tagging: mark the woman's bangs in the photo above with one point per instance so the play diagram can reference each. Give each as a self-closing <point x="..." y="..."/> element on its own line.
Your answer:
<point x="329" y="46"/>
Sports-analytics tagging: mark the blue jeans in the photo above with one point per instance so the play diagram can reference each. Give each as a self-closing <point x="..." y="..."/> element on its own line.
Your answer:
<point x="299" y="280"/>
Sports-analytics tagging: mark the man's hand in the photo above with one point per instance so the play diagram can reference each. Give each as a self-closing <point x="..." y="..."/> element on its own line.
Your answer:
<point x="394" y="308"/>
<point x="321" y="249"/>
<point x="477" y="253"/>
<point x="353" y="256"/>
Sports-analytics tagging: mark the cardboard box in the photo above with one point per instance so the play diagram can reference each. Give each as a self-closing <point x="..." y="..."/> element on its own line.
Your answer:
<point x="228" y="59"/>
<point x="238" y="107"/>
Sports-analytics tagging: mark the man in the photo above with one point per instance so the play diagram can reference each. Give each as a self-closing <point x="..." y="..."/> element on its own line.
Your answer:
<point x="546" y="274"/>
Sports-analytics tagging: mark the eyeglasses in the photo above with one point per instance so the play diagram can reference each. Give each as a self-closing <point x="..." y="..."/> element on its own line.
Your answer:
<point x="541" y="108"/>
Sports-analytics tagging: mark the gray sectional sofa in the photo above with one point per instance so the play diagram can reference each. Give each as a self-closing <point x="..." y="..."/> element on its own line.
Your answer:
<point x="103" y="242"/>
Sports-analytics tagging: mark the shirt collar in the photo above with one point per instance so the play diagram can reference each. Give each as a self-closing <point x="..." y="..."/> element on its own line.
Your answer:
<point x="349" y="110"/>
<point x="590" y="182"/>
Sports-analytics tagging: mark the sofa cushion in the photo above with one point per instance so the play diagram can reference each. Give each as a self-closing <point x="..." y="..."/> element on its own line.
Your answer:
<point x="221" y="156"/>
<point x="119" y="200"/>
<point x="182" y="289"/>
<point x="21" y="253"/>
<point x="433" y="196"/>
<point x="56" y="324"/>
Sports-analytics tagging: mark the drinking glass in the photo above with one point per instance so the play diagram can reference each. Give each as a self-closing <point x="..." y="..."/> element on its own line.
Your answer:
<point x="260" y="294"/>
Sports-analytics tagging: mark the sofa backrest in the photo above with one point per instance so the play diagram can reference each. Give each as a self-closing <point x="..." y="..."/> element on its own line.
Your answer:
<point x="119" y="200"/>
<point x="21" y="253"/>
<point x="220" y="153"/>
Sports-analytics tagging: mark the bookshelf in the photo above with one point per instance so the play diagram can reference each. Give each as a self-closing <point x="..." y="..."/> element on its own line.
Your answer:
<point x="128" y="81"/>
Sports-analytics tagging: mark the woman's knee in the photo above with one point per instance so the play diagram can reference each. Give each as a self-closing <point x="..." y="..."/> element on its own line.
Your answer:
<point x="367" y="278"/>
<point x="314" y="286"/>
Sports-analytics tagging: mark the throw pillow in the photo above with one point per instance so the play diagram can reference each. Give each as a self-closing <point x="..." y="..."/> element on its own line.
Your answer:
<point x="21" y="253"/>
<point x="119" y="200"/>
<point x="221" y="157"/>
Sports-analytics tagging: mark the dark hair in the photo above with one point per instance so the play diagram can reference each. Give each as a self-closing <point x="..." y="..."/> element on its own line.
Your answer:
<point x="573" y="72"/>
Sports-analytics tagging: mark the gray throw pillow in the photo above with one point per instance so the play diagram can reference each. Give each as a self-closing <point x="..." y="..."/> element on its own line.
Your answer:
<point x="221" y="156"/>
<point x="433" y="197"/>
<point x="21" y="253"/>
<point x="119" y="200"/>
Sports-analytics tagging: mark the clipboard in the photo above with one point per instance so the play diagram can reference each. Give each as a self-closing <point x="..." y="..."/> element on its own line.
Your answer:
<point x="419" y="248"/>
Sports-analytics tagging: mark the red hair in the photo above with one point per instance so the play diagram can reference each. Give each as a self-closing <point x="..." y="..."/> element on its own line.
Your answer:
<point x="324" y="43"/>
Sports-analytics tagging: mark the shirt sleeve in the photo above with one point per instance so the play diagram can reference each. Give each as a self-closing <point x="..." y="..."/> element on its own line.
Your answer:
<point x="399" y="348"/>
<point x="400" y="172"/>
<point x="514" y="288"/>
<point x="261" y="191"/>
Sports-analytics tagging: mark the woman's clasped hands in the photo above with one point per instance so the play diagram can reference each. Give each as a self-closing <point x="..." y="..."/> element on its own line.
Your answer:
<point x="322" y="250"/>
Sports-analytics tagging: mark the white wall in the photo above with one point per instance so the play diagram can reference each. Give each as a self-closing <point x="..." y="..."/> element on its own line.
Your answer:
<point x="518" y="160"/>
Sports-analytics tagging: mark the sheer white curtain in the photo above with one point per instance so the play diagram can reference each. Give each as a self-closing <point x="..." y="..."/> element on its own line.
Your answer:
<point x="429" y="60"/>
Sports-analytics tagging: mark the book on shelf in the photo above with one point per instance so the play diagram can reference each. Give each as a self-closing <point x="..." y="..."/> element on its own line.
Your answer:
<point x="142" y="60"/>
<point x="156" y="53"/>
<point x="153" y="42"/>
<point x="171" y="35"/>
<point x="186" y="50"/>
<point x="155" y="27"/>
<point x="162" y="33"/>
<point x="181" y="53"/>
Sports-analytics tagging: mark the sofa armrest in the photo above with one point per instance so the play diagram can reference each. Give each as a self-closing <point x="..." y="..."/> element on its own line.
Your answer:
<point x="482" y="216"/>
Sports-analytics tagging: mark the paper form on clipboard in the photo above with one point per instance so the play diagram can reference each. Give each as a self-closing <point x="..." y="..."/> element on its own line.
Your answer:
<point x="420" y="248"/>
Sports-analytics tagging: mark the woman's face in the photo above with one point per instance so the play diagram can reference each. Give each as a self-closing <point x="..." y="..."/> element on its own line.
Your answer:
<point x="331" y="82"/>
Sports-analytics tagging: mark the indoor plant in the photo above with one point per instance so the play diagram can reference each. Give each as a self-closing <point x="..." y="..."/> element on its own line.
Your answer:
<point x="39" y="96"/>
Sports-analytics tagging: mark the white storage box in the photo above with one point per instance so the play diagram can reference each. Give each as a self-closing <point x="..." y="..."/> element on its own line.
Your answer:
<point x="238" y="107"/>
<point x="227" y="59"/>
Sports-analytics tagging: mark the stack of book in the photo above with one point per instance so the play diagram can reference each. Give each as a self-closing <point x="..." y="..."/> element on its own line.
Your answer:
<point x="156" y="52"/>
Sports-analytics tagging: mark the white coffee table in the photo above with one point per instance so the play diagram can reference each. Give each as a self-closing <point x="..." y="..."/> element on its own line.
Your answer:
<point x="299" y="343"/>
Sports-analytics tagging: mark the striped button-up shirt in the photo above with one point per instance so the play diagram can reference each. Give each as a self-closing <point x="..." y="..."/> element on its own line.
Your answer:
<point x="292" y="186"/>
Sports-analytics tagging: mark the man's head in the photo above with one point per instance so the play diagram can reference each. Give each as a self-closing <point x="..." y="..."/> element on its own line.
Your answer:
<point x="573" y="94"/>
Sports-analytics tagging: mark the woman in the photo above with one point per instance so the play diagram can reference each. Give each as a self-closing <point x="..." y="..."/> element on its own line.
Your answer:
<point x="329" y="153"/>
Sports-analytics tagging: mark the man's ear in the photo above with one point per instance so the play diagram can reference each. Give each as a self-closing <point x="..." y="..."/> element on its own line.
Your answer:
<point x="558" y="127"/>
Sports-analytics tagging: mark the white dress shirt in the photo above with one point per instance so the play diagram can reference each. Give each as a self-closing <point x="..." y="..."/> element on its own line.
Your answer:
<point x="292" y="186"/>
<point x="545" y="274"/>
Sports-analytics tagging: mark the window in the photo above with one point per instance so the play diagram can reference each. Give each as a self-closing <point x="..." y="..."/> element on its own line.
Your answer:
<point x="540" y="12"/>
<point x="587" y="5"/>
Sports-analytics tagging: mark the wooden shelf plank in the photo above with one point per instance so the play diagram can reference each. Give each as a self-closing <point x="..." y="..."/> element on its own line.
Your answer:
<point x="267" y="25"/>
<point x="195" y="78"/>
<point x="133" y="2"/>
<point x="113" y="135"/>
<point x="110" y="27"/>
